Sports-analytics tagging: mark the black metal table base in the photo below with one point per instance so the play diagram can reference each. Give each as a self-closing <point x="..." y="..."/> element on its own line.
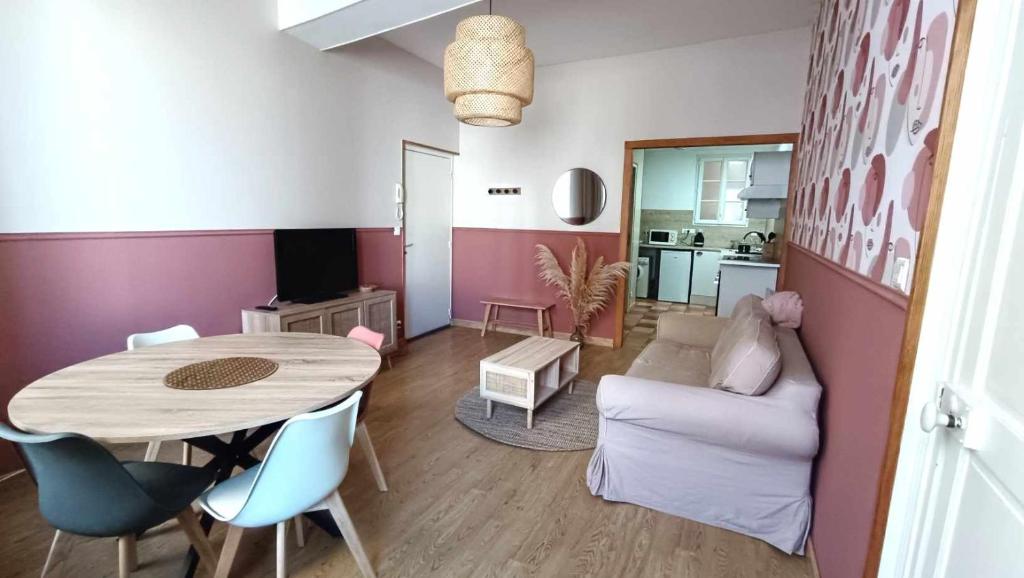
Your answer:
<point x="228" y="455"/>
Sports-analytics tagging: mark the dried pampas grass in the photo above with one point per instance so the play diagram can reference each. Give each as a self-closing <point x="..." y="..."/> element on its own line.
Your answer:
<point x="586" y="294"/>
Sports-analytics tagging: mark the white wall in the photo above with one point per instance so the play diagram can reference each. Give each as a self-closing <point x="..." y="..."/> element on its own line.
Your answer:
<point x="670" y="178"/>
<point x="191" y="114"/>
<point x="583" y="113"/>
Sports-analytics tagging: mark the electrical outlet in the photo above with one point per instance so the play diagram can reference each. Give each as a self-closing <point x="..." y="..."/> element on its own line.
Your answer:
<point x="900" y="273"/>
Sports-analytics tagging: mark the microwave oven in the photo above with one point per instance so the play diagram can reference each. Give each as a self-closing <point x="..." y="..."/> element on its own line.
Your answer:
<point x="662" y="237"/>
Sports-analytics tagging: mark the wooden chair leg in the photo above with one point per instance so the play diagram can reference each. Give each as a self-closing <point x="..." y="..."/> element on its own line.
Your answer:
<point x="540" y="323"/>
<point x="52" y="556"/>
<point x="389" y="363"/>
<point x="152" y="450"/>
<point x="487" y="318"/>
<point x="364" y="440"/>
<point x="186" y="454"/>
<point x="282" y="539"/>
<point x="348" y="531"/>
<point x="127" y="558"/>
<point x="228" y="551"/>
<point x="551" y="327"/>
<point x="300" y="532"/>
<point x="197" y="537"/>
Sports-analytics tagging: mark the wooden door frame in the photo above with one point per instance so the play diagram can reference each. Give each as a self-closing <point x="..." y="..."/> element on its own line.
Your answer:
<point x="400" y="305"/>
<point x="626" y="218"/>
<point x="959" y="50"/>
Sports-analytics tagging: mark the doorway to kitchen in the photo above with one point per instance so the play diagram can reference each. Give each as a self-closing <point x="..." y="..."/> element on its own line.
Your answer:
<point x="703" y="223"/>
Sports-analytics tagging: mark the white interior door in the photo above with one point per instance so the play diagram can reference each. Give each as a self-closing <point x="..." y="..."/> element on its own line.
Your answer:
<point x="958" y="501"/>
<point x="428" y="234"/>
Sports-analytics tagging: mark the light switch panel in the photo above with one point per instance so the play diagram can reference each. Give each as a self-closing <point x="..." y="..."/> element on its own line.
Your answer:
<point x="900" y="273"/>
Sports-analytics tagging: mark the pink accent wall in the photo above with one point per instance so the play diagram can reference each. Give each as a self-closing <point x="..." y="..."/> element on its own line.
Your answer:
<point x="71" y="297"/>
<point x="852" y="330"/>
<point x="500" y="263"/>
<point x="381" y="263"/>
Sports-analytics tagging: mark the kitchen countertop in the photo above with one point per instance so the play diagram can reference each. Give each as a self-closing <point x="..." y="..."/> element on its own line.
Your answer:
<point x="736" y="263"/>
<point x="683" y="247"/>
<point x="726" y="252"/>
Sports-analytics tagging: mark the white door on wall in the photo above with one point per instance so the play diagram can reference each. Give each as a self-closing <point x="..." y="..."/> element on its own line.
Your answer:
<point x="428" y="234"/>
<point x="958" y="499"/>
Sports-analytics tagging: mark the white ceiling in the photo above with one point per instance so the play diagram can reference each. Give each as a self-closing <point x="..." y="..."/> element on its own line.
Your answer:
<point x="561" y="31"/>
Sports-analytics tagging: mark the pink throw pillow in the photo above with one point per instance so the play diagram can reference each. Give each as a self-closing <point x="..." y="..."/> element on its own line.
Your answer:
<point x="786" y="308"/>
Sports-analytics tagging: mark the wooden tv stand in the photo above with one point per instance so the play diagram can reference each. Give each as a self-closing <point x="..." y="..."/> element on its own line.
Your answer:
<point x="375" y="310"/>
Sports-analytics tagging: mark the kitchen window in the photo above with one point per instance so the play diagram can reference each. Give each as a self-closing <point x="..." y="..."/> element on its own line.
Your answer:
<point x="719" y="182"/>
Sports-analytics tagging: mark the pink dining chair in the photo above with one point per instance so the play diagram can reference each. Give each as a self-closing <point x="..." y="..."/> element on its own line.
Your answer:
<point x="367" y="336"/>
<point x="374" y="340"/>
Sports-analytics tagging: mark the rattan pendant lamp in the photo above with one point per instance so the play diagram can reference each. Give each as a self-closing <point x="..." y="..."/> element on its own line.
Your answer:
<point x="488" y="71"/>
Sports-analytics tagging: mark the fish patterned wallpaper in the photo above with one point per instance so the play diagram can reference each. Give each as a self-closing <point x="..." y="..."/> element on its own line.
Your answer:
<point x="867" y="146"/>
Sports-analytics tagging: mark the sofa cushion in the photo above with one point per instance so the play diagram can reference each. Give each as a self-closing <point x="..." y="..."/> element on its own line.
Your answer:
<point x="748" y="307"/>
<point x="671" y="361"/>
<point x="748" y="360"/>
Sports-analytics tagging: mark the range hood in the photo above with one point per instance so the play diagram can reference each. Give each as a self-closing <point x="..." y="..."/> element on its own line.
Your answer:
<point x="769" y="185"/>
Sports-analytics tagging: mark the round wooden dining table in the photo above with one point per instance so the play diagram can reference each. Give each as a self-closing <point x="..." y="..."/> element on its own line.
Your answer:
<point x="121" y="397"/>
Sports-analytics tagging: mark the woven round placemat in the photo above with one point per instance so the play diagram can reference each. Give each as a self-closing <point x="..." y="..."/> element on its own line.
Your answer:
<point x="220" y="373"/>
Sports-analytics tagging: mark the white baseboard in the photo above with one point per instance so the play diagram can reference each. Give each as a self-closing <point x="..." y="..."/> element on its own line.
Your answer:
<point x="506" y="328"/>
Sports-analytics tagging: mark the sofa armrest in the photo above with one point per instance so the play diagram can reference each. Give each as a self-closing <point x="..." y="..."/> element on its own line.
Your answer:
<point x="696" y="330"/>
<point x="716" y="417"/>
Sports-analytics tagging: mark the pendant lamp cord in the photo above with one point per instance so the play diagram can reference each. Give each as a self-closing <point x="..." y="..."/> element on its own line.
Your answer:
<point x="490" y="7"/>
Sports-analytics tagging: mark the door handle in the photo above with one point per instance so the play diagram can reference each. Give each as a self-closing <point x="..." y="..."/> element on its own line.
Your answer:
<point x="932" y="417"/>
<point x="407" y="245"/>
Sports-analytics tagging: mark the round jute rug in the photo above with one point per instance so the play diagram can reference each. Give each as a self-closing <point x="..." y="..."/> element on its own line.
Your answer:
<point x="566" y="422"/>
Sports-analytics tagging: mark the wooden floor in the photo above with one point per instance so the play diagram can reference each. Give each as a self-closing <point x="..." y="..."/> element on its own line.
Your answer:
<point x="458" y="505"/>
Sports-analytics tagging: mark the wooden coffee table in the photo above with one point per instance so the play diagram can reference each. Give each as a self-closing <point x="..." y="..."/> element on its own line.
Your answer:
<point x="529" y="373"/>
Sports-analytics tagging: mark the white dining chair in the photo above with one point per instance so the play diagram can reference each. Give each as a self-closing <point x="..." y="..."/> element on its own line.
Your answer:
<point x="301" y="472"/>
<point x="171" y="334"/>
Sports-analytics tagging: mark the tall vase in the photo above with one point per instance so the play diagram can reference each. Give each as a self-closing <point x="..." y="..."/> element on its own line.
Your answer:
<point x="577" y="334"/>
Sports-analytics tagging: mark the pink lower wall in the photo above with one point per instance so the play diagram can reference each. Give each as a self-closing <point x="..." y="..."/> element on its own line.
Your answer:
<point x="500" y="263"/>
<point x="71" y="297"/>
<point x="852" y="329"/>
<point x="381" y="263"/>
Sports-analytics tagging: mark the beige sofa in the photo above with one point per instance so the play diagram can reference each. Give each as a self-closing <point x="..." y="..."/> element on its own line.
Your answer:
<point x="671" y="442"/>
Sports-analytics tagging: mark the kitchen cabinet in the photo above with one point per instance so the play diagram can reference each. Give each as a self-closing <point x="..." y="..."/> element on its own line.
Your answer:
<point x="674" y="276"/>
<point x="705" y="270"/>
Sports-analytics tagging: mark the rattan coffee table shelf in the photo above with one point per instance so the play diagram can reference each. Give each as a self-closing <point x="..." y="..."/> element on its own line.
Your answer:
<point x="529" y="373"/>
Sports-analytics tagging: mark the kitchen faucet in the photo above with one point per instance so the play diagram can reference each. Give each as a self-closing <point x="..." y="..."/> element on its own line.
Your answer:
<point x="759" y="234"/>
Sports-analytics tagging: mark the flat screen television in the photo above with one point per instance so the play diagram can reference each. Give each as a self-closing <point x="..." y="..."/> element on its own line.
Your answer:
<point x="315" y="264"/>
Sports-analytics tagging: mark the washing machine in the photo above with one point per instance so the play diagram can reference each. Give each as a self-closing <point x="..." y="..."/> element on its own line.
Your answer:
<point x="643" y="276"/>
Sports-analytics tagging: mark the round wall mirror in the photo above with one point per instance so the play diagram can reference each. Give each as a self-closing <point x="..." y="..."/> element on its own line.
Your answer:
<point x="579" y="196"/>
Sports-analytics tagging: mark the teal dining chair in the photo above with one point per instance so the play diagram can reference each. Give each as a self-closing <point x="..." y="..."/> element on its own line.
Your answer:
<point x="169" y="335"/>
<point x="301" y="472"/>
<point x="84" y="490"/>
